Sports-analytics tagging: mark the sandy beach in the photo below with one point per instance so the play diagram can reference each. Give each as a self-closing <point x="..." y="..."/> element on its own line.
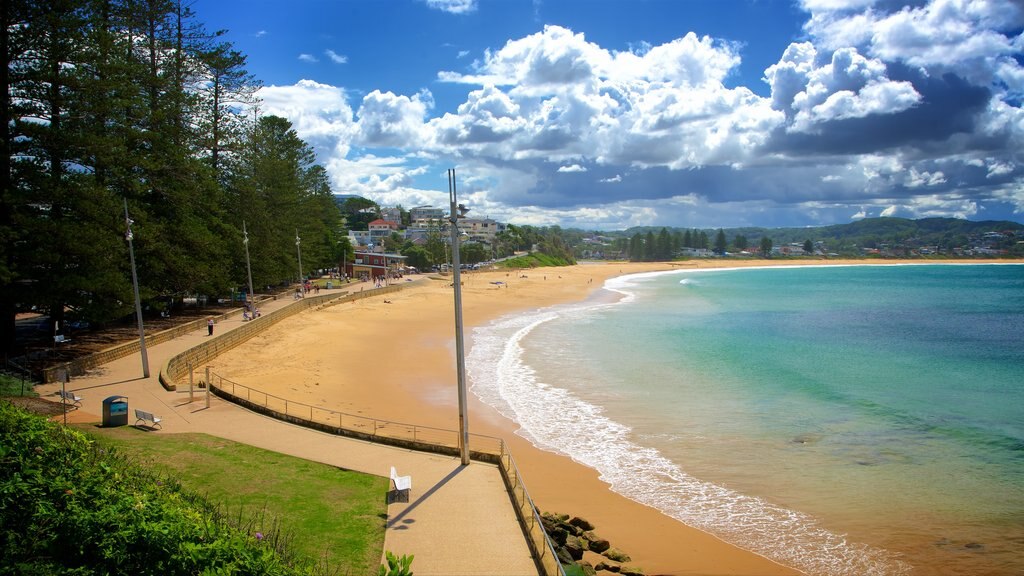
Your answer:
<point x="392" y="357"/>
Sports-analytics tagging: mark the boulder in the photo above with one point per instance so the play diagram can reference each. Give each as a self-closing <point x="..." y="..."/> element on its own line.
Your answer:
<point x="580" y="523"/>
<point x="631" y="571"/>
<point x="563" y="556"/>
<point x="588" y="568"/>
<point x="608" y="566"/>
<point x="617" y="555"/>
<point x="575" y="547"/>
<point x="597" y="544"/>
<point x="557" y="534"/>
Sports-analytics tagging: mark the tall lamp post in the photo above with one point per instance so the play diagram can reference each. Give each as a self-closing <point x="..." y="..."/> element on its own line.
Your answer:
<point x="135" y="284"/>
<point x="458" y="210"/>
<point x="248" y="269"/>
<point x="298" y="249"/>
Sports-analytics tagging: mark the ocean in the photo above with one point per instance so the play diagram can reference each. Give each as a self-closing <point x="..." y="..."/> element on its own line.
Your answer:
<point x="841" y="420"/>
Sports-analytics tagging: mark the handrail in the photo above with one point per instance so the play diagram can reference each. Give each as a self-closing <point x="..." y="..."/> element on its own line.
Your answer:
<point x="412" y="436"/>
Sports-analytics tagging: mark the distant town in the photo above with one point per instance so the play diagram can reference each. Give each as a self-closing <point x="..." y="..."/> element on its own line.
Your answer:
<point x="420" y="234"/>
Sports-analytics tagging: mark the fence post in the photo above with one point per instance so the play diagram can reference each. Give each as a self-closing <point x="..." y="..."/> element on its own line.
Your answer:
<point x="208" y="384"/>
<point x="191" y="383"/>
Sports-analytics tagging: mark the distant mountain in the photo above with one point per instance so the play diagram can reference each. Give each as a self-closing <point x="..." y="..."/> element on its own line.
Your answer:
<point x="878" y="230"/>
<point x="885" y="229"/>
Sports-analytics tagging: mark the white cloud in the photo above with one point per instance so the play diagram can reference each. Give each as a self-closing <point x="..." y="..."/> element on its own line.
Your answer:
<point x="335" y="57"/>
<point x="968" y="37"/>
<point x="665" y="106"/>
<point x="934" y="206"/>
<point x="999" y="168"/>
<point x="387" y="119"/>
<point x="308" y="58"/>
<point x="453" y="6"/>
<point x="916" y="179"/>
<point x="319" y="113"/>
<point x="663" y="116"/>
<point x="850" y="86"/>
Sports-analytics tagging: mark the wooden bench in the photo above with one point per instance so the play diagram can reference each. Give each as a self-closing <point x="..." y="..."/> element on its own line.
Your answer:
<point x="69" y="397"/>
<point x="143" y="416"/>
<point x="403" y="484"/>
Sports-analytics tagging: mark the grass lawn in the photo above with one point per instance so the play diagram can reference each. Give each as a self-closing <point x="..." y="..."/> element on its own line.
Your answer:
<point x="333" y="515"/>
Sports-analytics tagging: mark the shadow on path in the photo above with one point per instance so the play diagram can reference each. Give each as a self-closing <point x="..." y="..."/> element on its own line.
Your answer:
<point x="398" y="517"/>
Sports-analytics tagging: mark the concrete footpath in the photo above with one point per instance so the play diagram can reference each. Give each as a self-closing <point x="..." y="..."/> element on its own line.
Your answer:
<point x="459" y="520"/>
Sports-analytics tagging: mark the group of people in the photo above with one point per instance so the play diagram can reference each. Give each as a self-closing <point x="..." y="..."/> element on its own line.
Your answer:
<point x="246" y="315"/>
<point x="306" y="288"/>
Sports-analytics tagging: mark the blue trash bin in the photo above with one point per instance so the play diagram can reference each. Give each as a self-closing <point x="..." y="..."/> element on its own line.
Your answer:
<point x="115" y="411"/>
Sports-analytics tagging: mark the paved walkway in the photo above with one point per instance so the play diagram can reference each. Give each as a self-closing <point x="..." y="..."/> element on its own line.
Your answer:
<point x="459" y="519"/>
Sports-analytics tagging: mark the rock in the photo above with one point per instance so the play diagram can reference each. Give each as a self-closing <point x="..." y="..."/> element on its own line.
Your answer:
<point x="558" y="535"/>
<point x="575" y="547"/>
<point x="598" y="544"/>
<point x="581" y="523"/>
<point x="563" y="556"/>
<point x="631" y="571"/>
<point x="614" y="568"/>
<point x="616" y="554"/>
<point x="588" y="568"/>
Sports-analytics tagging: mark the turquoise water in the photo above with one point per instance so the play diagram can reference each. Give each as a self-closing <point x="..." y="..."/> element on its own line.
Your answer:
<point x="840" y="420"/>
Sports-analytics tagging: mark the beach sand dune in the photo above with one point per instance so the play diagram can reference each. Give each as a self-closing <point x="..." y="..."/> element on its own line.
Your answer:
<point x="393" y="357"/>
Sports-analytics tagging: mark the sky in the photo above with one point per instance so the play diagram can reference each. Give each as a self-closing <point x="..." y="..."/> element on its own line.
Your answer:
<point x="607" y="114"/>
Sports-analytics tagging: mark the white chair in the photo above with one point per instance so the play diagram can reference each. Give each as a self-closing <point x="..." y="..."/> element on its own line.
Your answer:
<point x="403" y="484"/>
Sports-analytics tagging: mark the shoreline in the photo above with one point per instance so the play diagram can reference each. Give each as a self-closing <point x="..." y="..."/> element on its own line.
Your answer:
<point x="394" y="359"/>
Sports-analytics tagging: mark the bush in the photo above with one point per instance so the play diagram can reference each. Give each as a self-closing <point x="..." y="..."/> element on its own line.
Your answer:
<point x="69" y="506"/>
<point x="11" y="386"/>
<point x="534" y="260"/>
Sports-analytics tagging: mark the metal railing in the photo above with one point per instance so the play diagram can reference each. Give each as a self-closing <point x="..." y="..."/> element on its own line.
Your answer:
<point x="412" y="436"/>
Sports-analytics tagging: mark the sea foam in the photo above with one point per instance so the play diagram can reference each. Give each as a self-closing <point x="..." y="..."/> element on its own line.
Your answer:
<point x="554" y="419"/>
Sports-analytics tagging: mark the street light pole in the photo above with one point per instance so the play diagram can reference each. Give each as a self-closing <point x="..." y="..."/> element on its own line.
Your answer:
<point x="135" y="284"/>
<point x="299" y="250"/>
<point x="248" y="269"/>
<point x="457" y="211"/>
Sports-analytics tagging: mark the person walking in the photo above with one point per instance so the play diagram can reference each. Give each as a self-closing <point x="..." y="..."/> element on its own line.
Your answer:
<point x="209" y="327"/>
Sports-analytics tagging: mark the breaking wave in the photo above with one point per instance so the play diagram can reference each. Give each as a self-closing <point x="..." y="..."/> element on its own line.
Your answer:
<point x="556" y="420"/>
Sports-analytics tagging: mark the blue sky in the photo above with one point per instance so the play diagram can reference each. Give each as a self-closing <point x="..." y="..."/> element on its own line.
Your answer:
<point x="606" y="114"/>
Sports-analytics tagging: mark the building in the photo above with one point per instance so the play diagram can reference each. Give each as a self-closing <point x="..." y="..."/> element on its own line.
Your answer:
<point x="482" y="230"/>
<point x="381" y="229"/>
<point x="426" y="216"/>
<point x="392" y="214"/>
<point x="370" y="265"/>
<point x="359" y="238"/>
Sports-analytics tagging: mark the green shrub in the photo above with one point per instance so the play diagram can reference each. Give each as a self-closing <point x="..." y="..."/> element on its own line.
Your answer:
<point x="11" y="386"/>
<point x="534" y="260"/>
<point x="69" y="506"/>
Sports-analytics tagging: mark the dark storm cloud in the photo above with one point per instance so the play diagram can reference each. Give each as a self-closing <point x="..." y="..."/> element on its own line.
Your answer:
<point x="949" y="106"/>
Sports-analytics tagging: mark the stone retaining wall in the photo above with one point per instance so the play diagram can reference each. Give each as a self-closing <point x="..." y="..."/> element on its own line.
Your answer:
<point x="178" y="366"/>
<point x="80" y="366"/>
